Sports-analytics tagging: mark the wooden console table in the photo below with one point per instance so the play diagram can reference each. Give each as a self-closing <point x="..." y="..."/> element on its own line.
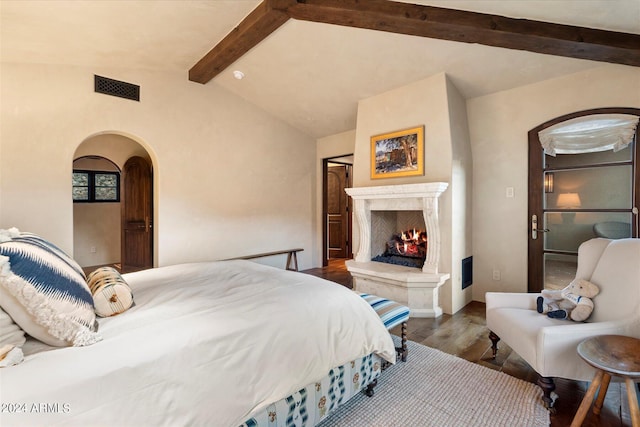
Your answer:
<point x="611" y="355"/>
<point x="292" y="257"/>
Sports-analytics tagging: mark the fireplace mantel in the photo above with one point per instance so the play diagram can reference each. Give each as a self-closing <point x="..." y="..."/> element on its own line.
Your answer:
<point x="422" y="190"/>
<point x="416" y="288"/>
<point x="423" y="197"/>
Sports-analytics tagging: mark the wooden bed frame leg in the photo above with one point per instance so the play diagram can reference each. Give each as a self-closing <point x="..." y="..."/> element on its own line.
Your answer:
<point x="369" y="390"/>
<point x="494" y="343"/>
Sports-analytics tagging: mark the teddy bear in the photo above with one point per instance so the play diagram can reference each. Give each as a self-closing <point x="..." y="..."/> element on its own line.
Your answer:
<point x="573" y="302"/>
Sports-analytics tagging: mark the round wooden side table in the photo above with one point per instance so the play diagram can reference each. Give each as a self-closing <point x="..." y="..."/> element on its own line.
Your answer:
<point x="611" y="355"/>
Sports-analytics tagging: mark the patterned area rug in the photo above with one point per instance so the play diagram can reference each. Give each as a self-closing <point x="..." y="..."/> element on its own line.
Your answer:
<point x="437" y="389"/>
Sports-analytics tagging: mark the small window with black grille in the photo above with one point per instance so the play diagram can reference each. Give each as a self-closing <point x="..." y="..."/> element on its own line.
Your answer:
<point x="96" y="186"/>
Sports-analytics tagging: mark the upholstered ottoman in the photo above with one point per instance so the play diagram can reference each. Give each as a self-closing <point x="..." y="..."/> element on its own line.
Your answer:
<point x="392" y="314"/>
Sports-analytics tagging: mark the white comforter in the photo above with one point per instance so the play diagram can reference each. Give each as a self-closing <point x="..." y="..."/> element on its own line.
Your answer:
<point x="205" y="344"/>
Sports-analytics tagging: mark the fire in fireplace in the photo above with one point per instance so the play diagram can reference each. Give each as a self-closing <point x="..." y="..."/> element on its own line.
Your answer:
<point x="408" y="248"/>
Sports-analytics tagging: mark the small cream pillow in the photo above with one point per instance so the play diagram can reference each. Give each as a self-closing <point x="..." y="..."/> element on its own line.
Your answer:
<point x="11" y="340"/>
<point x="10" y="355"/>
<point x="111" y="294"/>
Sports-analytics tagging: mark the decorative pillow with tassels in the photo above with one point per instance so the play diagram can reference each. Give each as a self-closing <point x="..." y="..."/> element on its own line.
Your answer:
<point x="45" y="291"/>
<point x="111" y="294"/>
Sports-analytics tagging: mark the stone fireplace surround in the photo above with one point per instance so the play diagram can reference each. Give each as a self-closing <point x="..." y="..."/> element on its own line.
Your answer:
<point x="414" y="287"/>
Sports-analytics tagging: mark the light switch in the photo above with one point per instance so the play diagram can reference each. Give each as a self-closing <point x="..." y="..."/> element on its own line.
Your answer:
<point x="509" y="192"/>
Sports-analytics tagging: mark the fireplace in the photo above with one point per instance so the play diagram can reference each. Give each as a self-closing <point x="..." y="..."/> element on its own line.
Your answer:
<point x="383" y="212"/>
<point x="399" y="238"/>
<point x="408" y="248"/>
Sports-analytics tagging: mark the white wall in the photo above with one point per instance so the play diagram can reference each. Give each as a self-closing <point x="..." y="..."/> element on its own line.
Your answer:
<point x="1" y="126"/>
<point x="229" y="178"/>
<point x="421" y="103"/>
<point x="96" y="225"/>
<point x="461" y="196"/>
<point x="498" y="125"/>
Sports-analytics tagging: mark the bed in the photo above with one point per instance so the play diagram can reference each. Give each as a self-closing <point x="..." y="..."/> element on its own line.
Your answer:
<point x="225" y="343"/>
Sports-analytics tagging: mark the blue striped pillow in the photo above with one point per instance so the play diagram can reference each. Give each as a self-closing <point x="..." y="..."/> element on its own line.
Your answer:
<point x="45" y="291"/>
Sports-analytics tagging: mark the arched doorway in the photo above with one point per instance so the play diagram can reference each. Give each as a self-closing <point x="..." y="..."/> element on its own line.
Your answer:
<point x="98" y="225"/>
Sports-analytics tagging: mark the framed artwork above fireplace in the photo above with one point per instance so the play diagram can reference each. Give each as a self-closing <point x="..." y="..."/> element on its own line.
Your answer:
<point x="399" y="153"/>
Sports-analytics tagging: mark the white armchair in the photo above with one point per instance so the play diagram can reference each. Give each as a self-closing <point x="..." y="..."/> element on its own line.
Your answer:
<point x="549" y="345"/>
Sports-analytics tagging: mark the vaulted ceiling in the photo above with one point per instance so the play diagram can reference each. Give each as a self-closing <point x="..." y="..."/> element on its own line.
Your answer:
<point x="309" y="74"/>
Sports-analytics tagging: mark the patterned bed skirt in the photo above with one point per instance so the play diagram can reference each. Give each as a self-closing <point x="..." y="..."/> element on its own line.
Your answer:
<point x="316" y="401"/>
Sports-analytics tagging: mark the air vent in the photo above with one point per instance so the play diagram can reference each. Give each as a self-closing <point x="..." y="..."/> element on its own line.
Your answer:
<point x="117" y="88"/>
<point x="467" y="272"/>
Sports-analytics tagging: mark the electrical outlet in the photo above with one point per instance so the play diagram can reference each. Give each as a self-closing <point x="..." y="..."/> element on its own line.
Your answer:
<point x="93" y="249"/>
<point x="496" y="274"/>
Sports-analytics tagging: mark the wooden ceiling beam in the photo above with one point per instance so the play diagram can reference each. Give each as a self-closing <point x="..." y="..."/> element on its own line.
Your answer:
<point x="473" y="27"/>
<point x="423" y="21"/>
<point x="258" y="25"/>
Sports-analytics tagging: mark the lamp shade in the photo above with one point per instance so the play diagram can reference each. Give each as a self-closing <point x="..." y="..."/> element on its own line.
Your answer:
<point x="569" y="200"/>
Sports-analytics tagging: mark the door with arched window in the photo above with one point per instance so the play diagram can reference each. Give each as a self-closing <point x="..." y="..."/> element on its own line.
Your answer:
<point x="583" y="183"/>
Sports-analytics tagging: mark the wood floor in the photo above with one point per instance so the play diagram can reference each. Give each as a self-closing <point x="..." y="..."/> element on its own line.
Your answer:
<point x="465" y="335"/>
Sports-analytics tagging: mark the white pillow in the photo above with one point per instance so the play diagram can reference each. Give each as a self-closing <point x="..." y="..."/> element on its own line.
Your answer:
<point x="10" y="333"/>
<point x="44" y="291"/>
<point x="11" y="340"/>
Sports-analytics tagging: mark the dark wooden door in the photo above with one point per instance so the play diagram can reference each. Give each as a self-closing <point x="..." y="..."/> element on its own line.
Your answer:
<point x="338" y="214"/>
<point x="137" y="215"/>
<point x="556" y="229"/>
